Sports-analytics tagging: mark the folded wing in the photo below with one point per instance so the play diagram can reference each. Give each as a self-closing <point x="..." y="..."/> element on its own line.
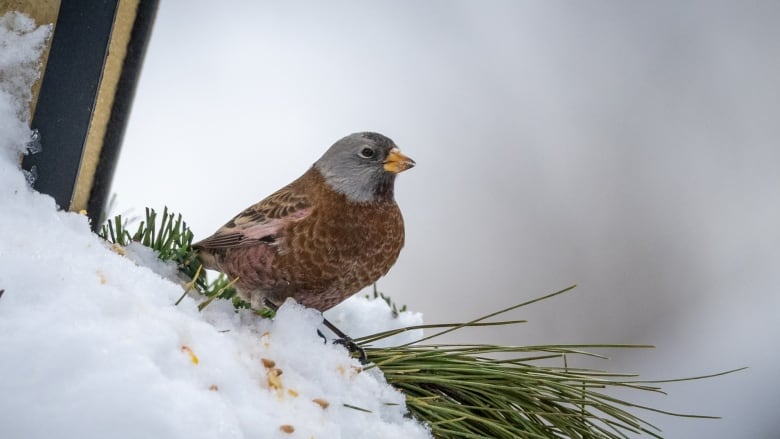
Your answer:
<point x="261" y="223"/>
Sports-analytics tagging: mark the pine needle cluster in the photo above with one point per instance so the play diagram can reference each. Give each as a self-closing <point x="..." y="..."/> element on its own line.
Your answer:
<point x="170" y="237"/>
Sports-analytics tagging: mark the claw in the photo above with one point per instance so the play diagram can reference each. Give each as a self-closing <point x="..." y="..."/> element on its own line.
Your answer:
<point x="354" y="349"/>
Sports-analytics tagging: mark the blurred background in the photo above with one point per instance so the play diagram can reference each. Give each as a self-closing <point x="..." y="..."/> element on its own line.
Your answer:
<point x="632" y="149"/>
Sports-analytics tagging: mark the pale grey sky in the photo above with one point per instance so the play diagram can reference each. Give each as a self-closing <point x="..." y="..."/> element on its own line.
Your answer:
<point x="629" y="148"/>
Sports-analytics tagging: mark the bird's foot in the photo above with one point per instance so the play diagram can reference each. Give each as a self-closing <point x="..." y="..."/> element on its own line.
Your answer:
<point x="354" y="349"/>
<point x="343" y="339"/>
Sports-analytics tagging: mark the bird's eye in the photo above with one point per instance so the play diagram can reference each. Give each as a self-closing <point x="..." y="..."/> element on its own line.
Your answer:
<point x="367" y="153"/>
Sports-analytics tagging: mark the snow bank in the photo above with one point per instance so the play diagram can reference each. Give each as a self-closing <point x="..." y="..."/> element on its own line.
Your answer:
<point x="91" y="345"/>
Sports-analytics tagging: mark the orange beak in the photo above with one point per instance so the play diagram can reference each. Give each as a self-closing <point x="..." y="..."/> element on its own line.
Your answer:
<point x="397" y="162"/>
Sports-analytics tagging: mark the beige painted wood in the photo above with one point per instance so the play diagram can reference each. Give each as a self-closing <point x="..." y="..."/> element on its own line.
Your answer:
<point x="120" y="37"/>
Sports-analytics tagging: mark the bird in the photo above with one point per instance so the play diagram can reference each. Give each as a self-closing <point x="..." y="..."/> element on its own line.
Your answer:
<point x="322" y="238"/>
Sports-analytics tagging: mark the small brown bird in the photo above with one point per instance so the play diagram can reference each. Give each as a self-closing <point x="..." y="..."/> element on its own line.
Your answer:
<point x="323" y="237"/>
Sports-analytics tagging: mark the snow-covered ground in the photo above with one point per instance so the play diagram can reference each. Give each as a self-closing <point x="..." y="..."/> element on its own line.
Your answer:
<point x="92" y="345"/>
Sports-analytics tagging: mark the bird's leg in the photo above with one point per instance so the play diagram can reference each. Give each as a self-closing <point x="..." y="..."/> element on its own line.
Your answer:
<point x="343" y="339"/>
<point x="268" y="304"/>
<point x="346" y="341"/>
<point x="339" y="333"/>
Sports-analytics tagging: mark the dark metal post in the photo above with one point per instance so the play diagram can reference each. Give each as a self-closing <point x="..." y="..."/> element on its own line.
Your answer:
<point x="68" y="101"/>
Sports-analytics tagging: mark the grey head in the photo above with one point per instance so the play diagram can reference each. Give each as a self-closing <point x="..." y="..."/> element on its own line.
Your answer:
<point x="363" y="166"/>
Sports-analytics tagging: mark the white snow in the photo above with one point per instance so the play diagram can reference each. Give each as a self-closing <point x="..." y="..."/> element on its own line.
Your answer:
<point x="92" y="346"/>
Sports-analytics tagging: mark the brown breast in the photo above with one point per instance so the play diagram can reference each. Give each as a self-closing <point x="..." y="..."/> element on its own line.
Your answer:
<point x="323" y="259"/>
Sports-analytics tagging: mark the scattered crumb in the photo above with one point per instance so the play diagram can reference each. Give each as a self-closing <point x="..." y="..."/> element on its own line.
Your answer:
<point x="265" y="336"/>
<point x="269" y="364"/>
<point x="214" y="388"/>
<point x="274" y="381"/>
<point x="102" y="277"/>
<point x="321" y="402"/>
<point x="193" y="357"/>
<point x="118" y="249"/>
<point x="353" y="370"/>
<point x="287" y="428"/>
<point x="292" y="393"/>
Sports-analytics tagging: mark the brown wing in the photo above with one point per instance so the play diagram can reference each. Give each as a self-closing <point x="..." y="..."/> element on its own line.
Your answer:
<point x="261" y="222"/>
